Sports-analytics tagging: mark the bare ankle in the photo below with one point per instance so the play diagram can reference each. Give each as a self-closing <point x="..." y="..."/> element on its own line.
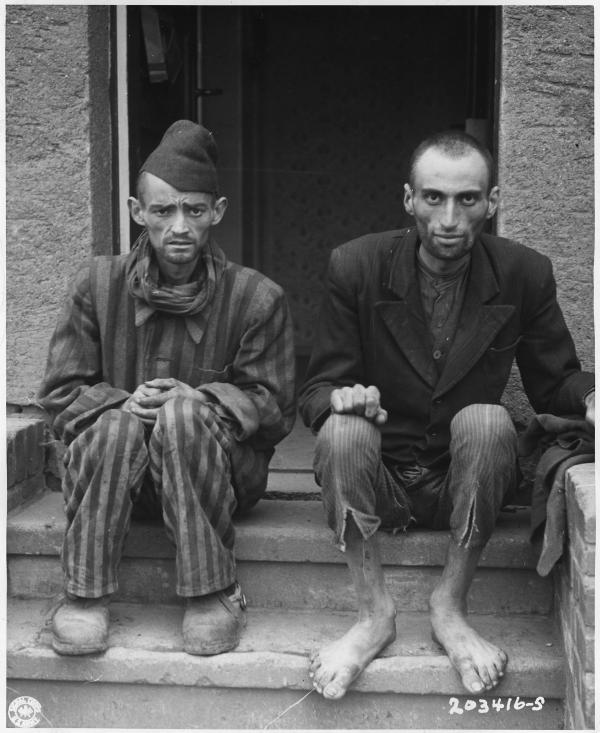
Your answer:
<point x="442" y="600"/>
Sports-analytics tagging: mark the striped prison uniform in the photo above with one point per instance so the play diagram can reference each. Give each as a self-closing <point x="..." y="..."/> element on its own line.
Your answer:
<point x="465" y="498"/>
<point x="200" y="461"/>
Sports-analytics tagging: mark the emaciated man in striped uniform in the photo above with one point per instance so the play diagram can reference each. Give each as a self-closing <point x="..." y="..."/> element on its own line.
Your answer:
<point x="170" y="378"/>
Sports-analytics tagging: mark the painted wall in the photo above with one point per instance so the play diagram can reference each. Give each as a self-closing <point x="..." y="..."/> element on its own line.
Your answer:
<point x="58" y="164"/>
<point x="546" y="153"/>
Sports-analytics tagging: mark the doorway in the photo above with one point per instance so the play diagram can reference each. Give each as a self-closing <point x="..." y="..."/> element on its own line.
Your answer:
<point x="315" y="110"/>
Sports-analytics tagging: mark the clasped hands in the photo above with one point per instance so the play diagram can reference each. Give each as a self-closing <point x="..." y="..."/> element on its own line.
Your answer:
<point x="150" y="396"/>
<point x="359" y="400"/>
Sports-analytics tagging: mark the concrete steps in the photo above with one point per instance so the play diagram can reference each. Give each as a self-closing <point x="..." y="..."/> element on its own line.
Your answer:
<point x="409" y="686"/>
<point x="286" y="559"/>
<point x="300" y="595"/>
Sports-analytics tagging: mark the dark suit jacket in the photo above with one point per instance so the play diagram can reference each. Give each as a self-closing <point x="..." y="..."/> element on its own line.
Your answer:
<point x="373" y="330"/>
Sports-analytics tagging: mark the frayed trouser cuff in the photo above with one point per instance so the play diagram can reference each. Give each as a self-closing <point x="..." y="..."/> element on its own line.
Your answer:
<point x="475" y="531"/>
<point x="366" y="524"/>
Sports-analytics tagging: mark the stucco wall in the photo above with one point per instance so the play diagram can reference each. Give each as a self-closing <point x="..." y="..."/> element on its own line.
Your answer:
<point x="58" y="170"/>
<point x="59" y="158"/>
<point x="546" y="152"/>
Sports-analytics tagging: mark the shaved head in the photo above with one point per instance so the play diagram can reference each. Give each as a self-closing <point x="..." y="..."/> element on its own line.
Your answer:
<point x="453" y="144"/>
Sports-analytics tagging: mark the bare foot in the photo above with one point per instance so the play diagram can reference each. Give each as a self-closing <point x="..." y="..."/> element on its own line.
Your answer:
<point x="479" y="663"/>
<point x="335" y="667"/>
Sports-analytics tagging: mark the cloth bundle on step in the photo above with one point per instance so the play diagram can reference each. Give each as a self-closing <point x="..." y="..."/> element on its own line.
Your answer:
<point x="566" y="441"/>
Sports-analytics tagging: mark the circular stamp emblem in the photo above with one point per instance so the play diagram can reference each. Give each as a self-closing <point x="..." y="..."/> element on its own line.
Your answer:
<point x="24" y="712"/>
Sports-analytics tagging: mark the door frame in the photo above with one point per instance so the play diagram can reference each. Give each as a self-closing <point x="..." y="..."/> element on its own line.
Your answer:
<point x="121" y="129"/>
<point x="224" y="60"/>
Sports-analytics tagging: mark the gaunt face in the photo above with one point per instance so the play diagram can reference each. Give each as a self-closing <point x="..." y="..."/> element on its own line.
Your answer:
<point x="450" y="200"/>
<point x="178" y="223"/>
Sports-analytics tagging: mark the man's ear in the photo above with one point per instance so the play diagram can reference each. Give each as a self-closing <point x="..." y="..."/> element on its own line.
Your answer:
<point x="219" y="209"/>
<point x="408" y="199"/>
<point x="493" y="201"/>
<point x="135" y="209"/>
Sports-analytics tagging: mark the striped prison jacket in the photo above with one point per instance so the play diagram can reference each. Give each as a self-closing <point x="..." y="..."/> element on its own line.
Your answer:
<point x="238" y="350"/>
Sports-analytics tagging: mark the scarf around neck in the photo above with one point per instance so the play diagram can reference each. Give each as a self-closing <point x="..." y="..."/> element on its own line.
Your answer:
<point x="143" y="280"/>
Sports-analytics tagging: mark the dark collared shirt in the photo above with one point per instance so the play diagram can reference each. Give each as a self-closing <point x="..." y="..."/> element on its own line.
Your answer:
<point x="442" y="297"/>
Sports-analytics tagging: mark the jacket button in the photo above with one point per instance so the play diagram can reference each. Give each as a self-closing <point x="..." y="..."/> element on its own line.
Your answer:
<point x="437" y="354"/>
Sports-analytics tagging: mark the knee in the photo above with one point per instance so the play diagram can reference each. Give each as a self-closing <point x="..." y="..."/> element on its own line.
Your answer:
<point x="183" y="412"/>
<point x="121" y="426"/>
<point x="184" y="421"/>
<point x="347" y="434"/>
<point x="116" y="436"/>
<point x="483" y="423"/>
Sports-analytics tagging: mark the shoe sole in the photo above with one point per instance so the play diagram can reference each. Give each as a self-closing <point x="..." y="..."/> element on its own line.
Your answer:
<point x="207" y="650"/>
<point x="70" y="650"/>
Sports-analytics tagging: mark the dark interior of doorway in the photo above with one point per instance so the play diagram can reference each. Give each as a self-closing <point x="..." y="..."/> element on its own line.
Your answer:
<point x="334" y="99"/>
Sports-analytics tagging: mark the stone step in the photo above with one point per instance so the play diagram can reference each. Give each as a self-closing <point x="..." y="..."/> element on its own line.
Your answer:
<point x="25" y="458"/>
<point x="292" y="485"/>
<point x="298" y="586"/>
<point x="296" y="452"/>
<point x="286" y="559"/>
<point x="277" y="530"/>
<point x="145" y="680"/>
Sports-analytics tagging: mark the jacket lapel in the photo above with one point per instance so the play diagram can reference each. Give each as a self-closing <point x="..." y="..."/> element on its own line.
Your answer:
<point x="478" y="324"/>
<point x="404" y="315"/>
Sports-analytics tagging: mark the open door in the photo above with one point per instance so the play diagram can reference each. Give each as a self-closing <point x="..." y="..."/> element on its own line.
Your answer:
<point x="315" y="110"/>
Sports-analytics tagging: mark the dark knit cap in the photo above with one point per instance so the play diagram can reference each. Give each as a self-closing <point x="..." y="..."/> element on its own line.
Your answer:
<point x="185" y="158"/>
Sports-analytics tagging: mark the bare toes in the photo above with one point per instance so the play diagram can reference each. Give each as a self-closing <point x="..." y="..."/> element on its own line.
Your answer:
<point x="470" y="677"/>
<point x="499" y="665"/>
<point x="333" y="691"/>
<point x="340" y="683"/>
<point x="323" y="677"/>
<point x="485" y="677"/>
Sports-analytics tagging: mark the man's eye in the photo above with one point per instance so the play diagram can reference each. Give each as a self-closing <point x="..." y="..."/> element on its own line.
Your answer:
<point x="432" y="198"/>
<point x="468" y="199"/>
<point x="162" y="212"/>
<point x="196" y="212"/>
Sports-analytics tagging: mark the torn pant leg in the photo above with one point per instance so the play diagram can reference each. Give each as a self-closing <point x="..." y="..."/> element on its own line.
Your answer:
<point x="483" y="469"/>
<point x="353" y="479"/>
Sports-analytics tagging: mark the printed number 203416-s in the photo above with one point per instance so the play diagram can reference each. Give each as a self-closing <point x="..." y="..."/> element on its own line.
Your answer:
<point x="497" y="705"/>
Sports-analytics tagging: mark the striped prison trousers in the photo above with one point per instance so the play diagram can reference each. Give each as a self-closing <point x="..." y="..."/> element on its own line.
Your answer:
<point x="183" y="465"/>
<point x="466" y="498"/>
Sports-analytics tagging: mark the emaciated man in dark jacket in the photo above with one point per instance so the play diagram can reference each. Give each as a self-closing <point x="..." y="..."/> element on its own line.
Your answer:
<point x="414" y="348"/>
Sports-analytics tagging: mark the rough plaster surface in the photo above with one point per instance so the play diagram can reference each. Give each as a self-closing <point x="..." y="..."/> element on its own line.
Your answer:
<point x="58" y="153"/>
<point x="546" y="154"/>
<point x="50" y="167"/>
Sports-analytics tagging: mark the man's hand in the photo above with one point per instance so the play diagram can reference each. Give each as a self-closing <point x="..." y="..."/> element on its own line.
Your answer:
<point x="590" y="408"/>
<point x="359" y="400"/>
<point x="134" y="404"/>
<point x="150" y="396"/>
